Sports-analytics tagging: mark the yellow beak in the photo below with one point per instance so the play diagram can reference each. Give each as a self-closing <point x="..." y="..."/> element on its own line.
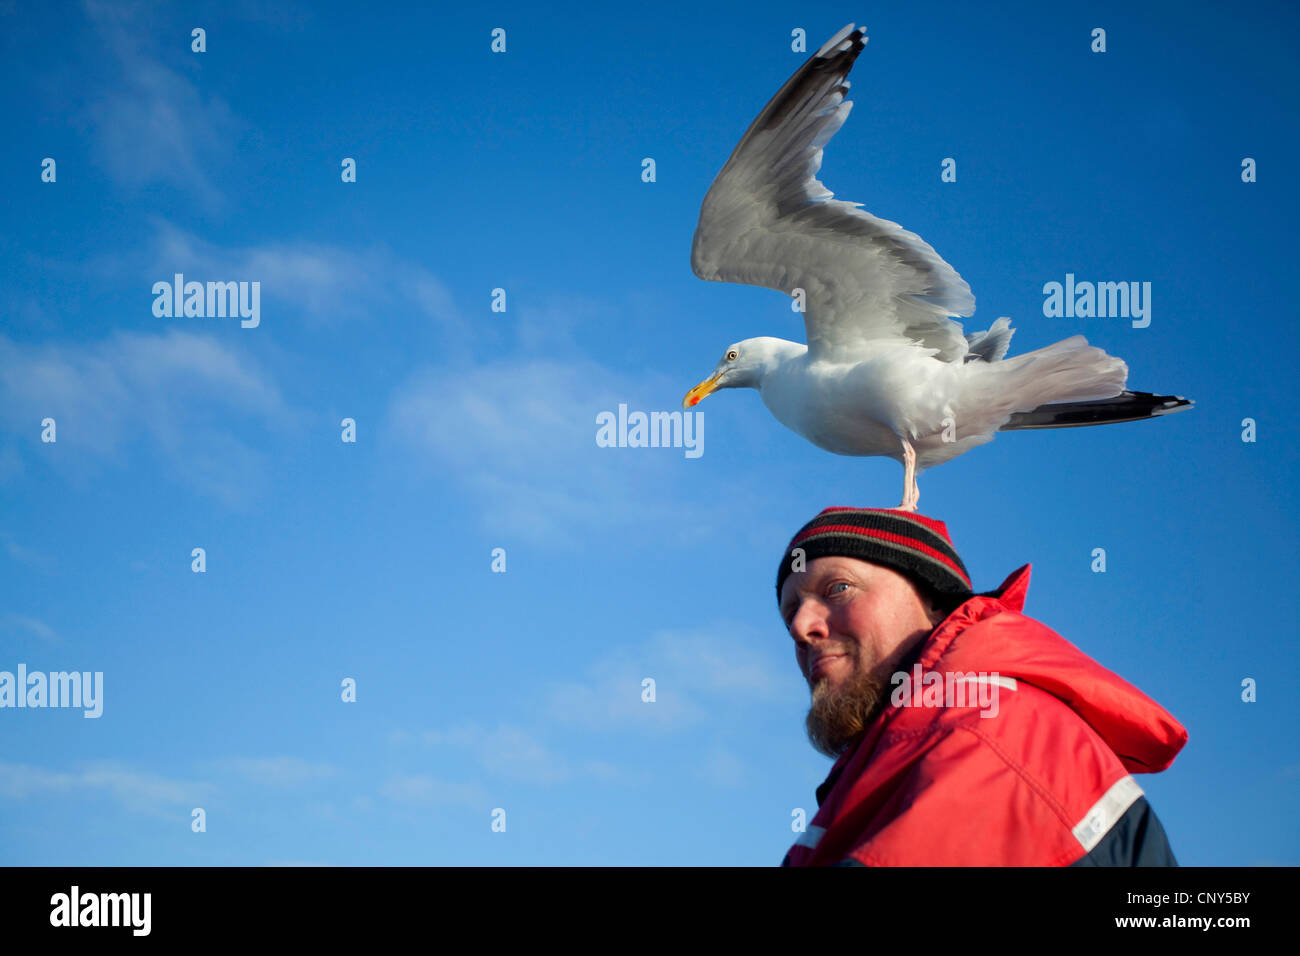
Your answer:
<point x="705" y="388"/>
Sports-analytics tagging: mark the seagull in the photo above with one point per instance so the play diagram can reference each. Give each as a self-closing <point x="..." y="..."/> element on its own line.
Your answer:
<point x="886" y="370"/>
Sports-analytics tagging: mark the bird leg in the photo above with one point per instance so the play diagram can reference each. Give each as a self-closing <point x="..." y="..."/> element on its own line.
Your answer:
<point x="911" y="493"/>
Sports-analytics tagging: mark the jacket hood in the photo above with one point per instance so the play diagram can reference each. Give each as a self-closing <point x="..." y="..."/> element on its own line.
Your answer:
<point x="989" y="633"/>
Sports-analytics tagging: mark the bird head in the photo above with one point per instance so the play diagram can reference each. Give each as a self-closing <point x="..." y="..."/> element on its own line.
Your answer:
<point x="741" y="366"/>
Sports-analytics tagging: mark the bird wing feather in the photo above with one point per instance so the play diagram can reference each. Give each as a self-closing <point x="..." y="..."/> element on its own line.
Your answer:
<point x="768" y="221"/>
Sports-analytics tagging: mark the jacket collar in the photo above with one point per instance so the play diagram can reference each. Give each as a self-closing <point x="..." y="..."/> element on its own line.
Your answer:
<point x="1011" y="592"/>
<point x="1010" y="595"/>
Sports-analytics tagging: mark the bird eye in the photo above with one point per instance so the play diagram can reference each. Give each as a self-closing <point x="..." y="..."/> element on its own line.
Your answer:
<point x="731" y="355"/>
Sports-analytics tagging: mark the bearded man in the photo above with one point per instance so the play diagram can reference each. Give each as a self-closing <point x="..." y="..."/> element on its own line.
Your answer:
<point x="963" y="731"/>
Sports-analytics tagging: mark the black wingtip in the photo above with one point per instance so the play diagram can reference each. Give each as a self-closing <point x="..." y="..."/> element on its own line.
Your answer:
<point x="1126" y="407"/>
<point x="835" y="47"/>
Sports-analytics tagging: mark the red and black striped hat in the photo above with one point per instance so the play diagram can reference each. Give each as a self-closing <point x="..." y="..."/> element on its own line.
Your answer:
<point x="905" y="541"/>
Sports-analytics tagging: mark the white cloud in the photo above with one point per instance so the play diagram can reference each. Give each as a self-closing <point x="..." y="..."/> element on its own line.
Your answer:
<point x="722" y="768"/>
<point x="519" y="435"/>
<point x="28" y="625"/>
<point x="324" y="282"/>
<point x="507" y="751"/>
<point x="141" y="792"/>
<point x="20" y="553"/>
<point x="513" y="753"/>
<point x="152" y="123"/>
<point x="612" y="773"/>
<point x="697" y="674"/>
<point x="181" y="390"/>
<point x="425" y="790"/>
<point x="277" y="772"/>
<point x="295" y="863"/>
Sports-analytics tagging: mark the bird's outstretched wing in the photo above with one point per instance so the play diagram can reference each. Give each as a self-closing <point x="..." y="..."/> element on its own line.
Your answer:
<point x="768" y="221"/>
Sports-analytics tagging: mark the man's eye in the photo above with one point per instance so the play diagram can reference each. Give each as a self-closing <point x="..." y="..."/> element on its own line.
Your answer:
<point x="836" y="585"/>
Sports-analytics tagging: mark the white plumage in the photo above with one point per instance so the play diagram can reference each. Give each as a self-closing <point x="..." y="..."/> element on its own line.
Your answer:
<point x="886" y="371"/>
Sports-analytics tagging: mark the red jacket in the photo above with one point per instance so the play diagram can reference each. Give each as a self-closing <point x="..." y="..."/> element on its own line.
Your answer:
<point x="1046" y="781"/>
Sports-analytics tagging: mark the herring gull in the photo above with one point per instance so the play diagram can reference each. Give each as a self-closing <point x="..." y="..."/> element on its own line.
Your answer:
<point x="886" y="371"/>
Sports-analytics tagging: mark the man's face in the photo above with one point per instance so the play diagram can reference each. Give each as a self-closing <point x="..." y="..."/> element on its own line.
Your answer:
<point x="851" y="622"/>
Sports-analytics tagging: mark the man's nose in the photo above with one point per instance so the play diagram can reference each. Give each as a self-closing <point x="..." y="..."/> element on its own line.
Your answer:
<point x="808" y="623"/>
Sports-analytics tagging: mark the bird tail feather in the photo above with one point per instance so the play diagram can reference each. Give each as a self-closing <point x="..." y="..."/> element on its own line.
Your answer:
<point x="1124" y="407"/>
<point x="990" y="345"/>
<point x="1067" y="371"/>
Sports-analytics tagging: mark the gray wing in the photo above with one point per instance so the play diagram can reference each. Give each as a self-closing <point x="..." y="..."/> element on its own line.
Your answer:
<point x="768" y="221"/>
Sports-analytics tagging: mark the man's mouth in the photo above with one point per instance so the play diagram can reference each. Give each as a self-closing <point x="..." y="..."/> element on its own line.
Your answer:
<point x="819" y="664"/>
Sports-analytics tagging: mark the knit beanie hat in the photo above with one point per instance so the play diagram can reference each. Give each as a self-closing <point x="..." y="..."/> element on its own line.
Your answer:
<point x="911" y="544"/>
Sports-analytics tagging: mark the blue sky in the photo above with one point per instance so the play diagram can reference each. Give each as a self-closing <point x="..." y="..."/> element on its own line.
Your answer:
<point x="476" y="429"/>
